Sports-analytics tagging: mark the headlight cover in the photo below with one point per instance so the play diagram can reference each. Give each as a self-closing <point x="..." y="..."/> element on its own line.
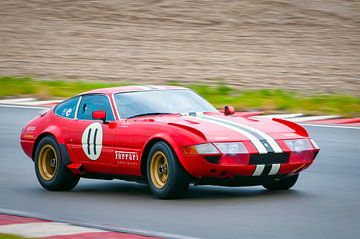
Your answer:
<point x="298" y="145"/>
<point x="201" y="149"/>
<point x="216" y="148"/>
<point x="316" y="146"/>
<point x="231" y="148"/>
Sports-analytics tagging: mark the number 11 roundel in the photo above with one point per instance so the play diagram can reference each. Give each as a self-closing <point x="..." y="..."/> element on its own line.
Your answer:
<point x="92" y="140"/>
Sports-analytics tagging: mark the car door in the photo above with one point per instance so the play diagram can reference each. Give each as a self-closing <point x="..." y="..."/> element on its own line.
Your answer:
<point x="93" y="140"/>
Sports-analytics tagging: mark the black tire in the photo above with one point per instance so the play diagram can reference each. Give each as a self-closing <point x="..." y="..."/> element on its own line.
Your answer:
<point x="177" y="178"/>
<point x="60" y="178"/>
<point x="282" y="184"/>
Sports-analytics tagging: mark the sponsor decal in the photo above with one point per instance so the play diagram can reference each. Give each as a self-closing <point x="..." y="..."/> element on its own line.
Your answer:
<point x="127" y="158"/>
<point x="92" y="140"/>
<point x="31" y="128"/>
<point x="68" y="112"/>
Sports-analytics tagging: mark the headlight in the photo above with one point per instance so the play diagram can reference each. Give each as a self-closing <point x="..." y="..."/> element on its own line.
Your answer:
<point x="231" y="148"/>
<point x="299" y="145"/>
<point x="201" y="149"/>
<point x="221" y="148"/>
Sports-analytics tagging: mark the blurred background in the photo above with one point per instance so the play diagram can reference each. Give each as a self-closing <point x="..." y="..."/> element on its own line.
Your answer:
<point x="303" y="47"/>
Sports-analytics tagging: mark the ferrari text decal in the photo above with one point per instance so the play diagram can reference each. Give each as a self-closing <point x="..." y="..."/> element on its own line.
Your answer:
<point x="129" y="159"/>
<point x="92" y="140"/>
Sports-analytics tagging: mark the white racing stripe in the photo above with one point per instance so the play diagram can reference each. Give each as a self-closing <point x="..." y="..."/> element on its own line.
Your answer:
<point x="45" y="229"/>
<point x="258" y="170"/>
<point x="252" y="138"/>
<point x="274" y="169"/>
<point x="267" y="137"/>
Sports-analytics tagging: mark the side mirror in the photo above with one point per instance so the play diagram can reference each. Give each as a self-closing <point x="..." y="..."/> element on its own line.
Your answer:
<point x="99" y="115"/>
<point x="229" y="110"/>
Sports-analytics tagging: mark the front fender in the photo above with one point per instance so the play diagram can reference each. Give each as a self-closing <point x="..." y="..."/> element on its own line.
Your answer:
<point x="176" y="139"/>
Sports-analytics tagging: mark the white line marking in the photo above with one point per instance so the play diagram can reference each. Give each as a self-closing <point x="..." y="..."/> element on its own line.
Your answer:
<point x="25" y="107"/>
<point x="258" y="170"/>
<point x="313" y="118"/>
<point x="279" y="116"/>
<point x="100" y="227"/>
<point x="274" y="169"/>
<point x="252" y="138"/>
<point x="41" y="102"/>
<point x="45" y="229"/>
<point x="267" y="137"/>
<point x="332" y="126"/>
<point x="16" y="101"/>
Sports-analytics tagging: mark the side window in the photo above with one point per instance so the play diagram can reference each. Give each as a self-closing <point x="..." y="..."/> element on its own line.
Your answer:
<point x="67" y="108"/>
<point x="91" y="103"/>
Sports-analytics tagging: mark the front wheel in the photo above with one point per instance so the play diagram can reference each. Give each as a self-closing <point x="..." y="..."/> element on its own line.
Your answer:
<point x="50" y="170"/>
<point x="282" y="184"/>
<point x="167" y="178"/>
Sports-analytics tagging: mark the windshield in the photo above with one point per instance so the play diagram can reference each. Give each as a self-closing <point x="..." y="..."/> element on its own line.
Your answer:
<point x="132" y="104"/>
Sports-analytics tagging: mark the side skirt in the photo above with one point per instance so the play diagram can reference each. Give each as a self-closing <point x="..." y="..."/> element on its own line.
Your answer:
<point x="106" y="176"/>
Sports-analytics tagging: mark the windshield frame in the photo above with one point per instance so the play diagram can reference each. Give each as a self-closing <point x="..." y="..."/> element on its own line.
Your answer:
<point x="135" y="91"/>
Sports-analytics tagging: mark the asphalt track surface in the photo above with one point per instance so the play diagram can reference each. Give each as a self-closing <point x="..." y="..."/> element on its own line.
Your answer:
<point x="323" y="204"/>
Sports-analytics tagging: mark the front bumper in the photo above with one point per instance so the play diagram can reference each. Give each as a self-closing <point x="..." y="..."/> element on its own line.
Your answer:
<point x="249" y="165"/>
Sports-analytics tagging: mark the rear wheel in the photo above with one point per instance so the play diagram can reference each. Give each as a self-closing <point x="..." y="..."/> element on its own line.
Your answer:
<point x="50" y="170"/>
<point x="282" y="184"/>
<point x="166" y="177"/>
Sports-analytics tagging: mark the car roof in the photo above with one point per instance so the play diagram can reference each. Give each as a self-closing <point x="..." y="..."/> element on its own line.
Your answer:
<point x="131" y="88"/>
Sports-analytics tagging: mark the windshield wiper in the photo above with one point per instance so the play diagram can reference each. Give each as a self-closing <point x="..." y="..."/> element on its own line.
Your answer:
<point x="145" y="114"/>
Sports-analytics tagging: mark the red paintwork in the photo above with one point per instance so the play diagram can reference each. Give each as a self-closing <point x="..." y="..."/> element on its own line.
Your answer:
<point x="11" y="219"/>
<point x="102" y="235"/>
<point x="133" y="135"/>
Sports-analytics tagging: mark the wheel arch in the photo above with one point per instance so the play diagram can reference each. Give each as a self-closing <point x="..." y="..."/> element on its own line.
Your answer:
<point x="37" y="141"/>
<point x="52" y="131"/>
<point x="150" y="144"/>
<point x="146" y="151"/>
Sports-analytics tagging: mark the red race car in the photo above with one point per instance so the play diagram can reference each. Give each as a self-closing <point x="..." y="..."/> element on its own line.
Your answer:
<point x="166" y="136"/>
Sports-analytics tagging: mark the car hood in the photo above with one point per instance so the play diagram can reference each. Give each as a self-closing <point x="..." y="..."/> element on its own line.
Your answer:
<point x="218" y="127"/>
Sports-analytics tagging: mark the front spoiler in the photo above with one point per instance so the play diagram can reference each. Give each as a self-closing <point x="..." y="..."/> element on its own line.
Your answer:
<point x="238" y="180"/>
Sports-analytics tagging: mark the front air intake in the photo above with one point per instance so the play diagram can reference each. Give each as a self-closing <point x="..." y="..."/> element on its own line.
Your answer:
<point x="269" y="158"/>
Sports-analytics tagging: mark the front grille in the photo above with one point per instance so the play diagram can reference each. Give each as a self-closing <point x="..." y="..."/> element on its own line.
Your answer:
<point x="269" y="158"/>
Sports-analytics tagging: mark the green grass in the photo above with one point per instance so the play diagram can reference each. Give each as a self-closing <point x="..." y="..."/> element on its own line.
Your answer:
<point x="7" y="236"/>
<point x="269" y="100"/>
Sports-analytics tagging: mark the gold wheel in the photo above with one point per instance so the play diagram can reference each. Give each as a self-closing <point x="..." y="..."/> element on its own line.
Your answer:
<point x="159" y="169"/>
<point x="47" y="162"/>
